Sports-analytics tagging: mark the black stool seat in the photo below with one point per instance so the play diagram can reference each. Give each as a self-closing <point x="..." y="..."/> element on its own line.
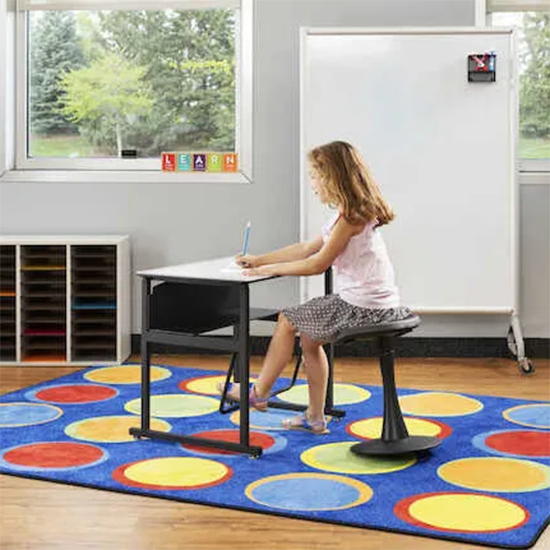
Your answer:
<point x="395" y="328"/>
<point x="395" y="439"/>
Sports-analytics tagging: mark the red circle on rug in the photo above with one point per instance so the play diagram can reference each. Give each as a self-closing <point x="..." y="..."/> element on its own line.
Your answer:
<point x="520" y="442"/>
<point x="54" y="455"/>
<point x="76" y="393"/>
<point x="262" y="440"/>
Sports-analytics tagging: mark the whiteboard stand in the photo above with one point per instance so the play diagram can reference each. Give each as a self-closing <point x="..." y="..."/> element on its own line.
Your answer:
<point x="443" y="149"/>
<point x="516" y="345"/>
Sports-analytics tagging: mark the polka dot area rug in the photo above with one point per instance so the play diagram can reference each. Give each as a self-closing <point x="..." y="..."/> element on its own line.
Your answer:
<point x="488" y="482"/>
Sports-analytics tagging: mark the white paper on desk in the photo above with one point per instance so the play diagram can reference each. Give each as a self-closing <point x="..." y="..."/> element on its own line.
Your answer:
<point x="232" y="267"/>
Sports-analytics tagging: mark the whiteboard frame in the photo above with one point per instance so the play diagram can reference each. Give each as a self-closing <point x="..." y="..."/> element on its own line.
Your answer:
<point x="305" y="32"/>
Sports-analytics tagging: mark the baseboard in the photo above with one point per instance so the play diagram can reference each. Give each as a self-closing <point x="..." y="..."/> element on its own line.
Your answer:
<point x="535" y="348"/>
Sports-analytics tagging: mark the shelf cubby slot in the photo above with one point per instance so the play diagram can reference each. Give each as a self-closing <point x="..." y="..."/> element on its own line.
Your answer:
<point x="8" y="319"/>
<point x="43" y="303"/>
<point x="93" y="302"/>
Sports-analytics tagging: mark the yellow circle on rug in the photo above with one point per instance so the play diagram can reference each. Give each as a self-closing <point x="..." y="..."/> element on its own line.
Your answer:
<point x="207" y="385"/>
<point x="110" y="429"/>
<point x="176" y="405"/>
<point x="203" y="384"/>
<point x="125" y="374"/>
<point x="174" y="473"/>
<point x="371" y="428"/>
<point x="461" y="512"/>
<point x="500" y="475"/>
<point x="439" y="404"/>
<point x="344" y="394"/>
<point x="337" y="457"/>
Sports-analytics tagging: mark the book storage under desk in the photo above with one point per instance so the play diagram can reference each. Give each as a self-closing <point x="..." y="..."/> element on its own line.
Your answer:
<point x="64" y="300"/>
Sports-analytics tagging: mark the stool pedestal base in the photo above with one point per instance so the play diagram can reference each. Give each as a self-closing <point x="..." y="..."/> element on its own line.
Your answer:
<point x="411" y="444"/>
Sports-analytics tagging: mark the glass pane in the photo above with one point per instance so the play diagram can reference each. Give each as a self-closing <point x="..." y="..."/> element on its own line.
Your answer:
<point x="534" y="70"/>
<point x="150" y="81"/>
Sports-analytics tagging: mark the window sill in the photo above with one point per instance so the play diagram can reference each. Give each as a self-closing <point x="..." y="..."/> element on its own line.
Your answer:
<point x="118" y="176"/>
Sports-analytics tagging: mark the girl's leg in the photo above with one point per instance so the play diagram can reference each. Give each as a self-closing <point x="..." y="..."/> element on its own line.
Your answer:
<point x="279" y="354"/>
<point x="316" y="364"/>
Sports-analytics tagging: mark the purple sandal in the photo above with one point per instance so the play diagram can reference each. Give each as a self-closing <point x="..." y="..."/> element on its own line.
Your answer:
<point x="301" y="422"/>
<point x="255" y="401"/>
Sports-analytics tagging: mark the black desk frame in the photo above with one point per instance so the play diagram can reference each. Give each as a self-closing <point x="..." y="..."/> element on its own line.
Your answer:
<point x="237" y="344"/>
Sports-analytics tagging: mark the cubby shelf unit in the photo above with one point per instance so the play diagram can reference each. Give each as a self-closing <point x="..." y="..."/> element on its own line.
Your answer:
<point x="64" y="300"/>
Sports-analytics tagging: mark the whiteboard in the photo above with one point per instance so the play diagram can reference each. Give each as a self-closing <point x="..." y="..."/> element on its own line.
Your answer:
<point x="442" y="149"/>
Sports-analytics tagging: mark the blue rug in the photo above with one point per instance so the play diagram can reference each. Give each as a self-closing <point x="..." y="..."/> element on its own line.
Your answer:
<point x="487" y="483"/>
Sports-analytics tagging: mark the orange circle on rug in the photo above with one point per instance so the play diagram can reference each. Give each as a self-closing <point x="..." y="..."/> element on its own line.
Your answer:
<point x="110" y="429"/>
<point x="125" y="374"/>
<point x="499" y="475"/>
<point x="371" y="428"/>
<point x="439" y="404"/>
<point x="176" y="405"/>
<point x="53" y="455"/>
<point x="75" y="393"/>
<point x="520" y="442"/>
<point x="337" y="457"/>
<point x="173" y="473"/>
<point x="265" y="441"/>
<point x="461" y="512"/>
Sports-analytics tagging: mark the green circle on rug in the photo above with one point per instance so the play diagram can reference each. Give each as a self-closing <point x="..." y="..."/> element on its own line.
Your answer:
<point x="344" y="394"/>
<point x="176" y="405"/>
<point x="337" y="457"/>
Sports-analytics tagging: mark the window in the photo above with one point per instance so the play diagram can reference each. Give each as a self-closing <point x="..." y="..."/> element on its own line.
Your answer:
<point x="111" y="85"/>
<point x="533" y="46"/>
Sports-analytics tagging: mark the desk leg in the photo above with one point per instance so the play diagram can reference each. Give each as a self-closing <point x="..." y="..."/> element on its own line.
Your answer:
<point x="243" y="364"/>
<point x="145" y="355"/>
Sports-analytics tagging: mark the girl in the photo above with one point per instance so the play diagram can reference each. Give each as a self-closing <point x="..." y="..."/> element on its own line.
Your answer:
<point x="350" y="242"/>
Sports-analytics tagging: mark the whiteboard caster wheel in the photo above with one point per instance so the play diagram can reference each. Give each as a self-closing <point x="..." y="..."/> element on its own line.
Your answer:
<point x="526" y="366"/>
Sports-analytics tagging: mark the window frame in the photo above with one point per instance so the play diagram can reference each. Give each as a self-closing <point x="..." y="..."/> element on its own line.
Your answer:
<point x="531" y="170"/>
<point x="18" y="167"/>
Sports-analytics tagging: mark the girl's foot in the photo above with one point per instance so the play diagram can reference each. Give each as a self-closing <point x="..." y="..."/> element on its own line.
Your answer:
<point x="255" y="401"/>
<point x="302" y="422"/>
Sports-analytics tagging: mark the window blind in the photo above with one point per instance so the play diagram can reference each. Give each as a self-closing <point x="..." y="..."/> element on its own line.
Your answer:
<point x="28" y="5"/>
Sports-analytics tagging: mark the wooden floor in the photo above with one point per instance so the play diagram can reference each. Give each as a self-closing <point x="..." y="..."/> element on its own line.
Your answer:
<point x="38" y="515"/>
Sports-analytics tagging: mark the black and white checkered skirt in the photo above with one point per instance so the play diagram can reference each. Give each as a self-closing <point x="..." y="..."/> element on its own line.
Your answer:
<point x="325" y="317"/>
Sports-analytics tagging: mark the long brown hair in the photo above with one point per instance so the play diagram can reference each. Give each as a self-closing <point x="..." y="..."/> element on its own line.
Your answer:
<point x="349" y="183"/>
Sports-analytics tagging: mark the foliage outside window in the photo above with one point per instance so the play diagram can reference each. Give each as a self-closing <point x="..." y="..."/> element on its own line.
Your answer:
<point x="533" y="30"/>
<point x="100" y="82"/>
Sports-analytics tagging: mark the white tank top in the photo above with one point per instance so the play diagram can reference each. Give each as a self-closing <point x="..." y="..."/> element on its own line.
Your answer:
<point x="363" y="272"/>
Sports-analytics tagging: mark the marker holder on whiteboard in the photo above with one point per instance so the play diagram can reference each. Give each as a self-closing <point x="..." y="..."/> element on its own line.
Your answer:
<point x="482" y="67"/>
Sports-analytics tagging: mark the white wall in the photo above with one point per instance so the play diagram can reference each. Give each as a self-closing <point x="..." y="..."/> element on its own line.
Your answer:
<point x="177" y="223"/>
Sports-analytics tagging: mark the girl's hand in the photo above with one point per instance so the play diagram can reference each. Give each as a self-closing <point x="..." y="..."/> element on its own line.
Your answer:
<point x="248" y="261"/>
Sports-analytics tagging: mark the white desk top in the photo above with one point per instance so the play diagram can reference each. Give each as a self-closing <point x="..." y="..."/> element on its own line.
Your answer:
<point x="212" y="270"/>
